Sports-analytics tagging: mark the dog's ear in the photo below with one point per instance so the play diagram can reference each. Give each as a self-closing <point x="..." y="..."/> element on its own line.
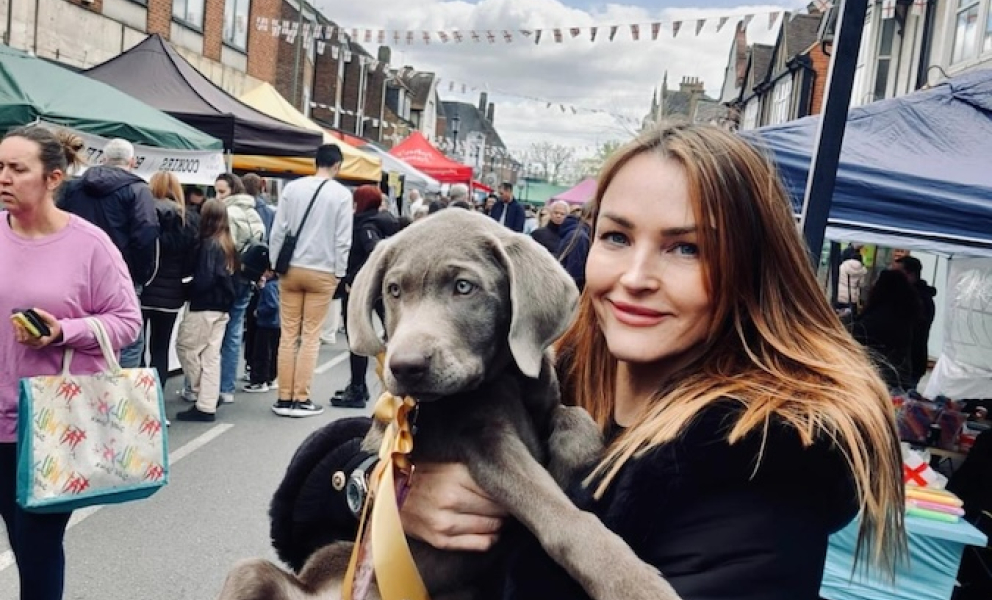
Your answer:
<point x="542" y="300"/>
<point x="365" y="291"/>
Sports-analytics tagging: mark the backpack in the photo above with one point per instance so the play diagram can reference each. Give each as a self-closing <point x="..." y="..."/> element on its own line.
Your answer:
<point x="253" y="261"/>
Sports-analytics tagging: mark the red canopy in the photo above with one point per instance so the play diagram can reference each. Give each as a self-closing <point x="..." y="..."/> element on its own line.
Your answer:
<point x="421" y="155"/>
<point x="478" y="185"/>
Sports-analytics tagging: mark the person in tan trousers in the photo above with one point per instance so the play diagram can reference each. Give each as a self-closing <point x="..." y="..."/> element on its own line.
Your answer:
<point x="319" y="261"/>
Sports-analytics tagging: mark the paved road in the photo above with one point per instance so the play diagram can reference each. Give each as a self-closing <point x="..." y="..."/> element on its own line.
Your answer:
<point x="179" y="544"/>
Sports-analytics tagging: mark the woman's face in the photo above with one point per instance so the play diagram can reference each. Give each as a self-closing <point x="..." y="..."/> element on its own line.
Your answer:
<point x="23" y="184"/>
<point x="222" y="188"/>
<point x="644" y="272"/>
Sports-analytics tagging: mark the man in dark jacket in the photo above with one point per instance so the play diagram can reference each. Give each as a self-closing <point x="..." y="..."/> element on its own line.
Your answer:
<point x="913" y="268"/>
<point x="121" y="204"/>
<point x="508" y="211"/>
<point x="549" y="236"/>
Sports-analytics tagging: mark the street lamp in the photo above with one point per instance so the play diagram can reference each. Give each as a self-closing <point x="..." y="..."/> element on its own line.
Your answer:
<point x="455" y="121"/>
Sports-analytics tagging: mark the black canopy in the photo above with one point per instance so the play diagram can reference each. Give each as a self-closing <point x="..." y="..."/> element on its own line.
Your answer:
<point x="155" y="73"/>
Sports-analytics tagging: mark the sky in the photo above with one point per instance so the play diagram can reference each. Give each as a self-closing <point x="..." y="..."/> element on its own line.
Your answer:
<point x="521" y="78"/>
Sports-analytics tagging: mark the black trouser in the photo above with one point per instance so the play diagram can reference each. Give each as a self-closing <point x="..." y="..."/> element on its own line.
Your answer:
<point x="159" y="324"/>
<point x="265" y="351"/>
<point x="359" y="364"/>
<point x="35" y="538"/>
<point x="251" y="325"/>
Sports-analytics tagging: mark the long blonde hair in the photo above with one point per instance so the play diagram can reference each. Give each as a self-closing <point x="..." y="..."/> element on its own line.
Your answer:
<point x="165" y="185"/>
<point x="774" y="345"/>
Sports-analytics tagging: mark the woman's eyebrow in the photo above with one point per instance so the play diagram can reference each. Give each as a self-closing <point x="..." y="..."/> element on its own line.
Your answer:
<point x="668" y="232"/>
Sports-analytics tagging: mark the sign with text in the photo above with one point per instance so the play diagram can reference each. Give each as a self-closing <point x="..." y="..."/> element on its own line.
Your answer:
<point x="194" y="167"/>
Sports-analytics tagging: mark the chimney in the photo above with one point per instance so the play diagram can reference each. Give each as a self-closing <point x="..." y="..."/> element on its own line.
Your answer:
<point x="385" y="55"/>
<point x="814" y="8"/>
<point x="691" y="85"/>
<point x="491" y="113"/>
<point x="483" y="100"/>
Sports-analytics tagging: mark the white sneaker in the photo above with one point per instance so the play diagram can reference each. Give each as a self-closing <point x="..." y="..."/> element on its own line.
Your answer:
<point x="330" y="340"/>
<point x="187" y="395"/>
<point x="226" y="398"/>
<point x="256" y="388"/>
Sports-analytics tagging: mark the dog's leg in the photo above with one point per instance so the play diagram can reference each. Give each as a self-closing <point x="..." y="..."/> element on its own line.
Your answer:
<point x="258" y="579"/>
<point x="575" y="539"/>
<point x="575" y="442"/>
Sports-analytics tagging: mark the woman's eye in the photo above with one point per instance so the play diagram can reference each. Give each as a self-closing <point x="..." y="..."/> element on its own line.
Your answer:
<point x="686" y="249"/>
<point x="614" y="237"/>
<point x="393" y="289"/>
<point x="463" y="287"/>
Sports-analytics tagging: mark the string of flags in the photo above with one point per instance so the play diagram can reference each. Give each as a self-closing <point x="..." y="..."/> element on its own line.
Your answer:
<point x="322" y="34"/>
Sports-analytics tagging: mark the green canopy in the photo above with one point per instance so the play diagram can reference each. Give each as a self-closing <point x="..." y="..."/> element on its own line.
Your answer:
<point x="537" y="192"/>
<point x="32" y="88"/>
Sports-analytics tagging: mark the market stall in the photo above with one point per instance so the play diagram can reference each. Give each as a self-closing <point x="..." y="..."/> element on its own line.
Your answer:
<point x="155" y="73"/>
<point x="34" y="90"/>
<point x="358" y="165"/>
<point x="416" y="151"/>
<point x="580" y="194"/>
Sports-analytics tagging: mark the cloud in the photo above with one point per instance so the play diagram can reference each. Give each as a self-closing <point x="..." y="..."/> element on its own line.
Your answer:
<point x="521" y="77"/>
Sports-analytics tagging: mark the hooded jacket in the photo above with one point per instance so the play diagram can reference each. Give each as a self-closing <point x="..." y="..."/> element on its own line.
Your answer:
<point x="370" y="228"/>
<point x="245" y="222"/>
<point x="921" y="330"/>
<point x="175" y="258"/>
<point x="121" y="204"/>
<point x="573" y="250"/>
<point x="850" y="280"/>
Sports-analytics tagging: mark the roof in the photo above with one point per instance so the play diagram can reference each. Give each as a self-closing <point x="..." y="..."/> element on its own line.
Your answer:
<point x="470" y="119"/>
<point x="801" y="32"/>
<point x="420" y="84"/>
<point x="710" y="111"/>
<point x="758" y="65"/>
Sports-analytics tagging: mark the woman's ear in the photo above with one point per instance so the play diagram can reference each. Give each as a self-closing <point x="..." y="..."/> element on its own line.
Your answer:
<point x="54" y="179"/>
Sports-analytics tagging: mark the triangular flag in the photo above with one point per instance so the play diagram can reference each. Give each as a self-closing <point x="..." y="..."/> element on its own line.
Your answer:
<point x="635" y="32"/>
<point x="613" y="31"/>
<point x="451" y="86"/>
<point x="721" y="23"/>
<point x="475" y="36"/>
<point x="772" y="18"/>
<point x="592" y="33"/>
<point x="396" y="37"/>
<point x="676" y="26"/>
<point x="700" y="23"/>
<point x="537" y="37"/>
<point x="382" y="36"/>
<point x="354" y="33"/>
<point x="491" y="36"/>
<point x="557" y="36"/>
<point x="747" y="20"/>
<point x="575" y="31"/>
<point x="409" y="38"/>
<point x="427" y="37"/>
<point x="368" y="36"/>
<point x="655" y="28"/>
<point x="443" y="35"/>
<point x="562" y="106"/>
<point x="464" y="88"/>
<point x="457" y="35"/>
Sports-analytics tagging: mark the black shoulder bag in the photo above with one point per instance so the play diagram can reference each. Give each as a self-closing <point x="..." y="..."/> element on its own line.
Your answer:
<point x="289" y="244"/>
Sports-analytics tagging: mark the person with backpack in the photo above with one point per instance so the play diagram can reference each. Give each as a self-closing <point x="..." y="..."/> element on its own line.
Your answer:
<point x="314" y="224"/>
<point x="371" y="227"/>
<point x="165" y="294"/>
<point x="248" y="233"/>
<point x="212" y="293"/>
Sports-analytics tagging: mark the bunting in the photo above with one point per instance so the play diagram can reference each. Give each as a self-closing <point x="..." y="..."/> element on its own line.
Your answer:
<point x="700" y="23"/>
<point x="655" y="28"/>
<point x="676" y="26"/>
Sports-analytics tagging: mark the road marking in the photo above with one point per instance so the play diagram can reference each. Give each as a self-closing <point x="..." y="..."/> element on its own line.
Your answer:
<point x="331" y="364"/>
<point x="78" y="516"/>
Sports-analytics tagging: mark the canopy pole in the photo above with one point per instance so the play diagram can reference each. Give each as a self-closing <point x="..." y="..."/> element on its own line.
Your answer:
<point x="830" y="133"/>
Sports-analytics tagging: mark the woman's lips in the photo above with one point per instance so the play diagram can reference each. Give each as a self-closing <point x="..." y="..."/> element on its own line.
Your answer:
<point x="638" y="316"/>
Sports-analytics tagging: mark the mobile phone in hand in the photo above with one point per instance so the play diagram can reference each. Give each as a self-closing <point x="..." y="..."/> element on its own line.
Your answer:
<point x="31" y="321"/>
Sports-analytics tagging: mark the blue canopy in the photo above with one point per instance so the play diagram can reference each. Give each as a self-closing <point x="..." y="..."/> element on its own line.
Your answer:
<point x="914" y="171"/>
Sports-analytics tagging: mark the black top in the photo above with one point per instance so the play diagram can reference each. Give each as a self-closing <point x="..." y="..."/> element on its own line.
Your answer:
<point x="368" y="229"/>
<point x="717" y="524"/>
<point x="175" y="258"/>
<point x="212" y="287"/>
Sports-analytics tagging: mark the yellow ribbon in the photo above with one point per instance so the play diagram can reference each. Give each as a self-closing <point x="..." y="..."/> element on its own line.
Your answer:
<point x="396" y="574"/>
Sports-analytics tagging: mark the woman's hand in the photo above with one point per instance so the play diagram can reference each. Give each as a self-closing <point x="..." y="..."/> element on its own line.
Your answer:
<point x="446" y="509"/>
<point x="22" y="336"/>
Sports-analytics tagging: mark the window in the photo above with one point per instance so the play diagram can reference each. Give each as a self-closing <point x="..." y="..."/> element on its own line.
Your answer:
<point x="886" y="39"/>
<point x="236" y="23"/>
<point x="966" y="30"/>
<point x="987" y="43"/>
<point x="750" y="120"/>
<point x="782" y="101"/>
<point x="189" y="12"/>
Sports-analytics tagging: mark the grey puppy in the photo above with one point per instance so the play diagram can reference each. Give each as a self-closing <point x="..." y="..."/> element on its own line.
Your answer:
<point x="471" y="309"/>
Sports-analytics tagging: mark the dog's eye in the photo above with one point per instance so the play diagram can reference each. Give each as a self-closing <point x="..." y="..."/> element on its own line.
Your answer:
<point x="393" y="289"/>
<point x="463" y="287"/>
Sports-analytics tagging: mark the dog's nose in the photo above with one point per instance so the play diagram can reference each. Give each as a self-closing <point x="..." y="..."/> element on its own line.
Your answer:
<point x="409" y="367"/>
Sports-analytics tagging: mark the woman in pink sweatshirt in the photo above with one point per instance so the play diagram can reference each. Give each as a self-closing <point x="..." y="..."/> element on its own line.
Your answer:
<point x="67" y="270"/>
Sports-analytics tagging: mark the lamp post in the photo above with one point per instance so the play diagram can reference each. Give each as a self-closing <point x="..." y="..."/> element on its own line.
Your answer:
<point x="455" y="121"/>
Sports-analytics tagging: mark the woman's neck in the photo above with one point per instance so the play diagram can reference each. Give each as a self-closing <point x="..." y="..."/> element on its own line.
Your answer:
<point x="39" y="222"/>
<point x="636" y="386"/>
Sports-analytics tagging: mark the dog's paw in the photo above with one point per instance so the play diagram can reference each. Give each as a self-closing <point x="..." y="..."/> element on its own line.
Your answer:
<point x="640" y="583"/>
<point x="575" y="442"/>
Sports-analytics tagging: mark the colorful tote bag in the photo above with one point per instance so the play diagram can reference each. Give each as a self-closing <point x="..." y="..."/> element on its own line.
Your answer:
<point x="90" y="439"/>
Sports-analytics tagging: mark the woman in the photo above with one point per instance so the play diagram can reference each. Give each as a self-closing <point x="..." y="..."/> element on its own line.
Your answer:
<point x="165" y="295"/>
<point x="211" y="294"/>
<point x="370" y="227"/>
<point x="67" y="270"/>
<point x="886" y="326"/>
<point x="744" y="424"/>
